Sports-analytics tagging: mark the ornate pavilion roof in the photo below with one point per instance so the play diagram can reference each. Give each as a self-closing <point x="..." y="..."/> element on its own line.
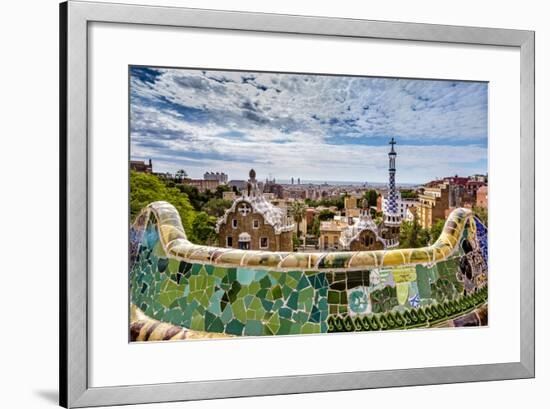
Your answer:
<point x="273" y="215"/>
<point x="352" y="232"/>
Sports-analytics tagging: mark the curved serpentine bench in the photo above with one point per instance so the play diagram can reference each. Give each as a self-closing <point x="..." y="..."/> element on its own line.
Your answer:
<point x="247" y="292"/>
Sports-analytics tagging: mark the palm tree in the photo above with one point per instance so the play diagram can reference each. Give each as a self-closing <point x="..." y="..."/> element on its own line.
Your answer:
<point x="181" y="174"/>
<point x="298" y="211"/>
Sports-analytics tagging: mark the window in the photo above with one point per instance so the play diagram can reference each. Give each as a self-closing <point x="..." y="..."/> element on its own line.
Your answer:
<point x="256" y="224"/>
<point x="264" y="242"/>
<point x="229" y="241"/>
<point x="234" y="223"/>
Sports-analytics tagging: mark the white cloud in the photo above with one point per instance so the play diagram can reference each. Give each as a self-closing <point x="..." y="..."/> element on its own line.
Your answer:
<point x="313" y="127"/>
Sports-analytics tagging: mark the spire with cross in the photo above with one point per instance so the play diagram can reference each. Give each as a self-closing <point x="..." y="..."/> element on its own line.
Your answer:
<point x="392" y="214"/>
<point x="392" y="143"/>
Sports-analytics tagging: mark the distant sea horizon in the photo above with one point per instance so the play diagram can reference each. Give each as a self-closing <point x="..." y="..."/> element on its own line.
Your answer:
<point x="339" y="183"/>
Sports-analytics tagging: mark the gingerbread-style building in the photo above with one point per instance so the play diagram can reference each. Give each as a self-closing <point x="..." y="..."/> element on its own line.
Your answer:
<point x="253" y="223"/>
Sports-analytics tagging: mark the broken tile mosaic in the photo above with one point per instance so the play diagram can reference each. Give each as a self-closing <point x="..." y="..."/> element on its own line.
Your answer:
<point x="179" y="290"/>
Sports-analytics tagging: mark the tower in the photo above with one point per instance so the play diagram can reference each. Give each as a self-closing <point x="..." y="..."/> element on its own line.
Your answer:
<point x="252" y="185"/>
<point x="392" y="214"/>
<point x="392" y="219"/>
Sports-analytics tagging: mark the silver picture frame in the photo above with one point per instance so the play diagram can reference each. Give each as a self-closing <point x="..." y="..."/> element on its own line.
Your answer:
<point x="75" y="16"/>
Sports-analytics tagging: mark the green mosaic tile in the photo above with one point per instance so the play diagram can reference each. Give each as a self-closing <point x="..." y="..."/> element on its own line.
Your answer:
<point x="253" y="328"/>
<point x="216" y="325"/>
<point x="227" y="314"/>
<point x="285" y="326"/>
<point x="248" y="300"/>
<point x="217" y="299"/>
<point x="286" y="291"/>
<point x="285" y="312"/>
<point x="245" y="276"/>
<point x="274" y="323"/>
<point x="263" y="293"/>
<point x="309" y="328"/>
<point x="306" y="295"/>
<point x="254" y="287"/>
<point x="292" y="301"/>
<point x="197" y="321"/>
<point x="265" y="282"/>
<point x="219" y="272"/>
<point x="277" y="292"/>
<point x="333" y="297"/>
<point x="170" y="292"/>
<point x="239" y="310"/>
<point x="235" y="327"/>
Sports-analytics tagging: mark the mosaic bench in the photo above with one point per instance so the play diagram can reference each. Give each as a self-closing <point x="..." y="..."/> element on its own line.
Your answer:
<point x="244" y="292"/>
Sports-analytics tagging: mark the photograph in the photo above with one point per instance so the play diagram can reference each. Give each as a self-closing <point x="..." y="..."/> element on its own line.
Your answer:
<point x="275" y="204"/>
<point x="265" y="203"/>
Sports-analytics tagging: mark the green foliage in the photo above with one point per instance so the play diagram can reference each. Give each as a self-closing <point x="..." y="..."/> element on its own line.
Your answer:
<point x="146" y="188"/>
<point x="327" y="202"/>
<point x="195" y="197"/>
<point x="482" y="214"/>
<point x="316" y="227"/>
<point x="371" y="196"/>
<point x="200" y="199"/>
<point x="412" y="235"/>
<point x="217" y="207"/>
<point x="298" y="212"/>
<point x="436" y="230"/>
<point x="181" y="174"/>
<point x="295" y="241"/>
<point x="220" y="189"/>
<point x="326" y="214"/>
<point x="204" y="229"/>
<point x="408" y="194"/>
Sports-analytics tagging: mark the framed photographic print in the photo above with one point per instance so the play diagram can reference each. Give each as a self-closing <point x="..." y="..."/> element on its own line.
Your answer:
<point x="250" y="196"/>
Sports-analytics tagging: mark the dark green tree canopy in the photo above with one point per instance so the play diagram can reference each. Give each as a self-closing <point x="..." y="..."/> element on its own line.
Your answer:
<point x="146" y="188"/>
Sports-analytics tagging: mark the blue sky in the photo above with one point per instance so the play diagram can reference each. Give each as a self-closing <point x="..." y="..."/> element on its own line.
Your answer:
<point x="315" y="127"/>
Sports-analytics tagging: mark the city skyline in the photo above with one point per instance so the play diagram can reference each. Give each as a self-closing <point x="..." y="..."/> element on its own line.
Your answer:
<point x="317" y="128"/>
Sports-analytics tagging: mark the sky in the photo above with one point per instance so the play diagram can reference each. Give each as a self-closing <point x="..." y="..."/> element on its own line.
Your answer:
<point x="313" y="127"/>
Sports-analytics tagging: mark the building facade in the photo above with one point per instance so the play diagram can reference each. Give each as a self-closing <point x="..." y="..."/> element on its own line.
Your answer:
<point x="239" y="185"/>
<point x="362" y="234"/>
<point x="253" y="223"/>
<point x="329" y="234"/>
<point x="433" y="205"/>
<point x="141" y="166"/>
<point x="482" y="197"/>
<point x="402" y="205"/>
<point x="201" y="184"/>
<point x="219" y="176"/>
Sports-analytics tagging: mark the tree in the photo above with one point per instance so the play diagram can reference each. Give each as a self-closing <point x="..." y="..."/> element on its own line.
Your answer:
<point x="482" y="214"/>
<point x="193" y="194"/>
<point x="295" y="241"/>
<point x="146" y="188"/>
<point x="217" y="207"/>
<point x="408" y="194"/>
<point x="371" y="197"/>
<point x="220" y="189"/>
<point x="412" y="235"/>
<point x="204" y="229"/>
<point x="298" y="212"/>
<point x="316" y="227"/>
<point x="326" y="214"/>
<point x="327" y="202"/>
<point x="436" y="229"/>
<point x="181" y="174"/>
